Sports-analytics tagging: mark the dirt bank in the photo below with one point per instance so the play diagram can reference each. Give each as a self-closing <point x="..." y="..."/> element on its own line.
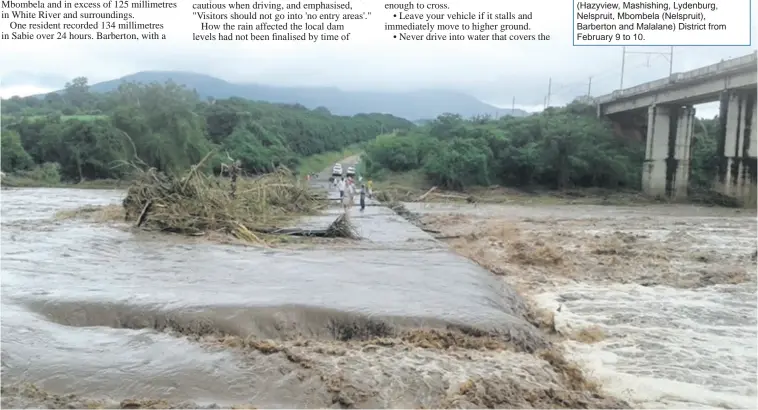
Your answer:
<point x="413" y="187"/>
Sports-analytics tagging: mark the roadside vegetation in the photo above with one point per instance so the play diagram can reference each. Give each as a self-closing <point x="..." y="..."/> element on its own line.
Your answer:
<point x="77" y="135"/>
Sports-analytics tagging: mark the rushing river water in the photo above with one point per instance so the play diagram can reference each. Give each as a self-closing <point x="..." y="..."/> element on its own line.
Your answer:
<point x="85" y="308"/>
<point x="82" y="304"/>
<point x="667" y="347"/>
<point x="679" y="331"/>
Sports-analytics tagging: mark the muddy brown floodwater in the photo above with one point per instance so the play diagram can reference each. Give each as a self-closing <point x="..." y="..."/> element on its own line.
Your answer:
<point x="95" y="315"/>
<point x="657" y="302"/>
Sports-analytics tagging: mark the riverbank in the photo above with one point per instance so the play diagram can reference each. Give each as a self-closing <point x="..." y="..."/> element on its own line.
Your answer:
<point x="13" y="181"/>
<point x="412" y="186"/>
<point x="48" y="176"/>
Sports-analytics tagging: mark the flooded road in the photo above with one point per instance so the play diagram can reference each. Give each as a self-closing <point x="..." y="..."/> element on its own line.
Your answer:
<point x="95" y="310"/>
<point x="669" y="292"/>
<point x="393" y="320"/>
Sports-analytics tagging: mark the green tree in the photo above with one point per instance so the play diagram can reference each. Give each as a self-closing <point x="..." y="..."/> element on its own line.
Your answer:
<point x="459" y="163"/>
<point x="14" y="157"/>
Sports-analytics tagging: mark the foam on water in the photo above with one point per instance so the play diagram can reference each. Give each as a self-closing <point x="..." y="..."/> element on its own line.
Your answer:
<point x="666" y="347"/>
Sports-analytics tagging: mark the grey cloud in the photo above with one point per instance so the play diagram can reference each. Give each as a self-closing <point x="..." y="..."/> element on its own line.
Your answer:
<point x="523" y="75"/>
<point x="29" y="78"/>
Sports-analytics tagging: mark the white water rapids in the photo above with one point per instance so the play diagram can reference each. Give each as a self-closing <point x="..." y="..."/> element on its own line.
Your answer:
<point x="667" y="347"/>
<point x="677" y="333"/>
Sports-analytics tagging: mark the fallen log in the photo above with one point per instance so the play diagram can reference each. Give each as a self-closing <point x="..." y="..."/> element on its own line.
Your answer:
<point x="143" y="214"/>
<point x="318" y="233"/>
<point x="445" y="237"/>
<point x="422" y="197"/>
<point x="427" y="230"/>
<point x="450" y="196"/>
<point x="340" y="228"/>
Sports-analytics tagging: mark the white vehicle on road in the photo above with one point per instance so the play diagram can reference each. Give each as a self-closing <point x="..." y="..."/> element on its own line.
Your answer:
<point x="337" y="170"/>
<point x="351" y="171"/>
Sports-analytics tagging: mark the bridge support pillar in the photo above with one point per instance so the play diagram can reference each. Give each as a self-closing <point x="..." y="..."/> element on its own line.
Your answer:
<point x="656" y="151"/>
<point x="666" y="169"/>
<point x="680" y="153"/>
<point x="738" y="147"/>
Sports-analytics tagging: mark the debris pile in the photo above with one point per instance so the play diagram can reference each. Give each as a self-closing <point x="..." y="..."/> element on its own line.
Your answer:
<point x="198" y="203"/>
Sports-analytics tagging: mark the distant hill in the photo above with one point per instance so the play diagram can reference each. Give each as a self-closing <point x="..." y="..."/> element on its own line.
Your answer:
<point x="412" y="105"/>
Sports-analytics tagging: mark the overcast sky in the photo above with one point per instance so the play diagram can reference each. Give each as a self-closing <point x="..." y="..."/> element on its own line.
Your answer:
<point x="493" y="71"/>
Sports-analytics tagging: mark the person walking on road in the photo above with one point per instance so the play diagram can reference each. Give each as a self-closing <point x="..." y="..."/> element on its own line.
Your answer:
<point x="363" y="197"/>
<point x="370" y="186"/>
<point x="347" y="200"/>
<point x="341" y="187"/>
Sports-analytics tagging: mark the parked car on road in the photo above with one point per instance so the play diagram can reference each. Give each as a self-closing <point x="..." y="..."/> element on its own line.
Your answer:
<point x="337" y="170"/>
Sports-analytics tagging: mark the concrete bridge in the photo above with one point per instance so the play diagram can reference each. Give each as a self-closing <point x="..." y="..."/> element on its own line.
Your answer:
<point x="668" y="105"/>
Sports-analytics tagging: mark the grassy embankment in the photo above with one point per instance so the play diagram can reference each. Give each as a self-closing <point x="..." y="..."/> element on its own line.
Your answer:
<point x="410" y="186"/>
<point x="25" y="181"/>
<point x="47" y="176"/>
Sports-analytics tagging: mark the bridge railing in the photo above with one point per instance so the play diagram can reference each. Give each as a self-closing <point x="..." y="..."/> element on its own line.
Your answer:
<point x="720" y="68"/>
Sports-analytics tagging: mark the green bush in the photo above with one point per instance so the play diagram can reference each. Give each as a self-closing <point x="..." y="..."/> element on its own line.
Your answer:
<point x="47" y="173"/>
<point x="558" y="148"/>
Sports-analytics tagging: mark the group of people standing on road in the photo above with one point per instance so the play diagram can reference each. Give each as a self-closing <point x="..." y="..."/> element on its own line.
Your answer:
<point x="347" y="189"/>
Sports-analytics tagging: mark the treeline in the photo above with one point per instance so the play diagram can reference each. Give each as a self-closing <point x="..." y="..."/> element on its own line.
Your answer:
<point x="559" y="148"/>
<point x="84" y="135"/>
<point x="79" y="135"/>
